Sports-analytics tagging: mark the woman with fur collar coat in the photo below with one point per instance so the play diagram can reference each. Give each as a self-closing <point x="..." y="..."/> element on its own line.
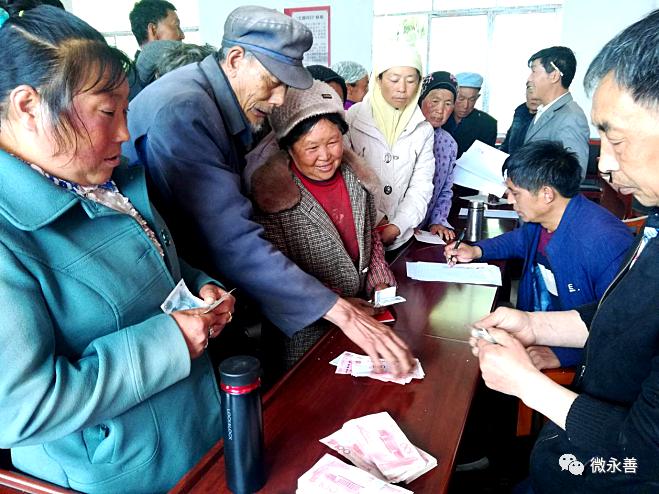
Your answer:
<point x="315" y="201"/>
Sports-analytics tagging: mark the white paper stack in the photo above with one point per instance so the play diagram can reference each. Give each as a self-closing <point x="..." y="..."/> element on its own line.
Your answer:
<point x="480" y="168"/>
<point x="331" y="475"/>
<point x="475" y="273"/>
<point x="376" y="444"/>
<point x="362" y="366"/>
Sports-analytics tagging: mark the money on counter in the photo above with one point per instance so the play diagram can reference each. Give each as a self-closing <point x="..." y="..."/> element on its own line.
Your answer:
<point x="375" y="444"/>
<point x="362" y="366"/>
<point x="331" y="475"/>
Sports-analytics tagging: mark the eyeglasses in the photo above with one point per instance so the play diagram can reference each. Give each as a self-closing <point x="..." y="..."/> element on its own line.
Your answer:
<point x="556" y="68"/>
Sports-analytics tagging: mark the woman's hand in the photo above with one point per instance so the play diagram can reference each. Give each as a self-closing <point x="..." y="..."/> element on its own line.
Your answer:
<point x="197" y="327"/>
<point x="444" y="232"/>
<point x="389" y="233"/>
<point x="211" y="293"/>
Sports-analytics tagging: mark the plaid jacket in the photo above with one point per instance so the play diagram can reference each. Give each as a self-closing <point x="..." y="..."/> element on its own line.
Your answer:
<point x="298" y="226"/>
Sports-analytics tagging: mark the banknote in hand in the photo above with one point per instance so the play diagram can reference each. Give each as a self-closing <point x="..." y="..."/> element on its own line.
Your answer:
<point x="180" y="298"/>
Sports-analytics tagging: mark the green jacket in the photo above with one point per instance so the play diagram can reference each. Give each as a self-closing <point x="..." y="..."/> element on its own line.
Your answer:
<point x="97" y="389"/>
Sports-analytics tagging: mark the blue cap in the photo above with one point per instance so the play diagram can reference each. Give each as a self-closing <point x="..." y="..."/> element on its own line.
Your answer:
<point x="469" y="79"/>
<point x="276" y="40"/>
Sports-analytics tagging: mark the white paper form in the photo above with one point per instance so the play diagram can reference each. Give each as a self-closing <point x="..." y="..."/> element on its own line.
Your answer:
<point x="474" y="273"/>
<point x="428" y="238"/>
<point x="504" y="214"/>
<point x="480" y="168"/>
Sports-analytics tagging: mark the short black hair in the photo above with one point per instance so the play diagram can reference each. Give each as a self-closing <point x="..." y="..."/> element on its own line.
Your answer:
<point x="307" y="124"/>
<point x="633" y="58"/>
<point x="562" y="57"/>
<point x="146" y="12"/>
<point x="544" y="163"/>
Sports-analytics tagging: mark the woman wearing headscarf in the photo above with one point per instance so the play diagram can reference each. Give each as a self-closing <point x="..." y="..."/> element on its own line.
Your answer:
<point x="314" y="200"/>
<point x="438" y="92"/>
<point x="100" y="391"/>
<point x="390" y="132"/>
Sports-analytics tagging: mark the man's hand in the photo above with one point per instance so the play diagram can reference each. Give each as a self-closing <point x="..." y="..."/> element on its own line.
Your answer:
<point x="464" y="253"/>
<point x="443" y="231"/>
<point x="543" y="357"/>
<point x="374" y="338"/>
<point x="505" y="365"/>
<point x="515" y="322"/>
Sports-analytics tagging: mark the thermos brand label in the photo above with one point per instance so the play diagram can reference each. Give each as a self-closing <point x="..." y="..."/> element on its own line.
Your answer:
<point x="229" y="426"/>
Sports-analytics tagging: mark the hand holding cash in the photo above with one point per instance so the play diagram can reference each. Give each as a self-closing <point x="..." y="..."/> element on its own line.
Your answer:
<point x="199" y="321"/>
<point x="362" y="366"/>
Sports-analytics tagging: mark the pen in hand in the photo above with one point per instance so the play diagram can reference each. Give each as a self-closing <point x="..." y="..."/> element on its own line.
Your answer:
<point x="453" y="260"/>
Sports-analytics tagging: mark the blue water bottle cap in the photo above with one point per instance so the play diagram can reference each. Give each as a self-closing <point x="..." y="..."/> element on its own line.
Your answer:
<point x="241" y="370"/>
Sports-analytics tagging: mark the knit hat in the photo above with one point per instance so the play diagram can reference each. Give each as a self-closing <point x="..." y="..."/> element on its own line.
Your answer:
<point x="325" y="74"/>
<point x="438" y="80"/>
<point x="150" y="55"/>
<point x="300" y="104"/>
<point x="350" y="71"/>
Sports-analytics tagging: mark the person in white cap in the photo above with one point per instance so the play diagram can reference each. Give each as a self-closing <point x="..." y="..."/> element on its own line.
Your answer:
<point x="389" y="130"/>
<point x="192" y="128"/>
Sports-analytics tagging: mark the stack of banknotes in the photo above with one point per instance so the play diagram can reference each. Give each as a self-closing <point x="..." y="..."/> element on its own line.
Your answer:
<point x="332" y="475"/>
<point x="362" y="366"/>
<point x="375" y="444"/>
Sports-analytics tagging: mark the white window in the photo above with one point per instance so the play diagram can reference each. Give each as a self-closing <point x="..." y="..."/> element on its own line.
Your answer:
<point x="492" y="37"/>
<point x="111" y="19"/>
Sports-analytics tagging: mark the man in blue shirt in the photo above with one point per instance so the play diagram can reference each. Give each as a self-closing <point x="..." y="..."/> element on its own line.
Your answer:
<point x="572" y="247"/>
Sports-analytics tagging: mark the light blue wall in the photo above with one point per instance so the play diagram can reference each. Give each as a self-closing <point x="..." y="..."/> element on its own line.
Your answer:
<point x="351" y="24"/>
<point x="588" y="25"/>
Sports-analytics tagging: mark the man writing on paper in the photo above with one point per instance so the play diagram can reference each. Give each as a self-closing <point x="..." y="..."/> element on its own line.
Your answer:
<point x="571" y="246"/>
<point x="192" y="128"/>
<point x="609" y="422"/>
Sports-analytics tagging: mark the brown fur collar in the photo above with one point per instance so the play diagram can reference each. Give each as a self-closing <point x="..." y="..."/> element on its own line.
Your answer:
<point x="274" y="190"/>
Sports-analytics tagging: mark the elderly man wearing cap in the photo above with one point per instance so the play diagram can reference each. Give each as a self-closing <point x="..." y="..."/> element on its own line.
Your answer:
<point x="356" y="77"/>
<point x="467" y="124"/>
<point x="437" y="101"/>
<point x="559" y="117"/>
<point x="191" y="130"/>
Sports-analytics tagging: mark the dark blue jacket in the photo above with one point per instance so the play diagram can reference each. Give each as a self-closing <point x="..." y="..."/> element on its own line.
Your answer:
<point x="478" y="125"/>
<point x="585" y="252"/>
<point x="516" y="134"/>
<point x="189" y="131"/>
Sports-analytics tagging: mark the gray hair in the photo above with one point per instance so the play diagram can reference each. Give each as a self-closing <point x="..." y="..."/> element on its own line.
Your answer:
<point x="633" y="58"/>
<point x="182" y="54"/>
<point x="350" y="71"/>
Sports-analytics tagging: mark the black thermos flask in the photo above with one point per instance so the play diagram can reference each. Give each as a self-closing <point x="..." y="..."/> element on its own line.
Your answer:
<point x="242" y="423"/>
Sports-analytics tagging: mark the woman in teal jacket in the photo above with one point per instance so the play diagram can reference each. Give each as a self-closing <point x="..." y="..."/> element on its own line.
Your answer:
<point x="99" y="391"/>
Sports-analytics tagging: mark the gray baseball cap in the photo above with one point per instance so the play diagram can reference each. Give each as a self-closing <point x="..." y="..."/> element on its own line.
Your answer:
<point x="276" y="40"/>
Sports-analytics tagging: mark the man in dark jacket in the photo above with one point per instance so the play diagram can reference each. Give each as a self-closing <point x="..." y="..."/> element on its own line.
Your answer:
<point x="571" y="247"/>
<point x="192" y="128"/>
<point x="603" y="436"/>
<point x="522" y="118"/>
<point x="467" y="124"/>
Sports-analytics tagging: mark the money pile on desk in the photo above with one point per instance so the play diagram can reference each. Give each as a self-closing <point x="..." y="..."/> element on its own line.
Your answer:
<point x="380" y="452"/>
<point x="330" y="474"/>
<point x="362" y="366"/>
